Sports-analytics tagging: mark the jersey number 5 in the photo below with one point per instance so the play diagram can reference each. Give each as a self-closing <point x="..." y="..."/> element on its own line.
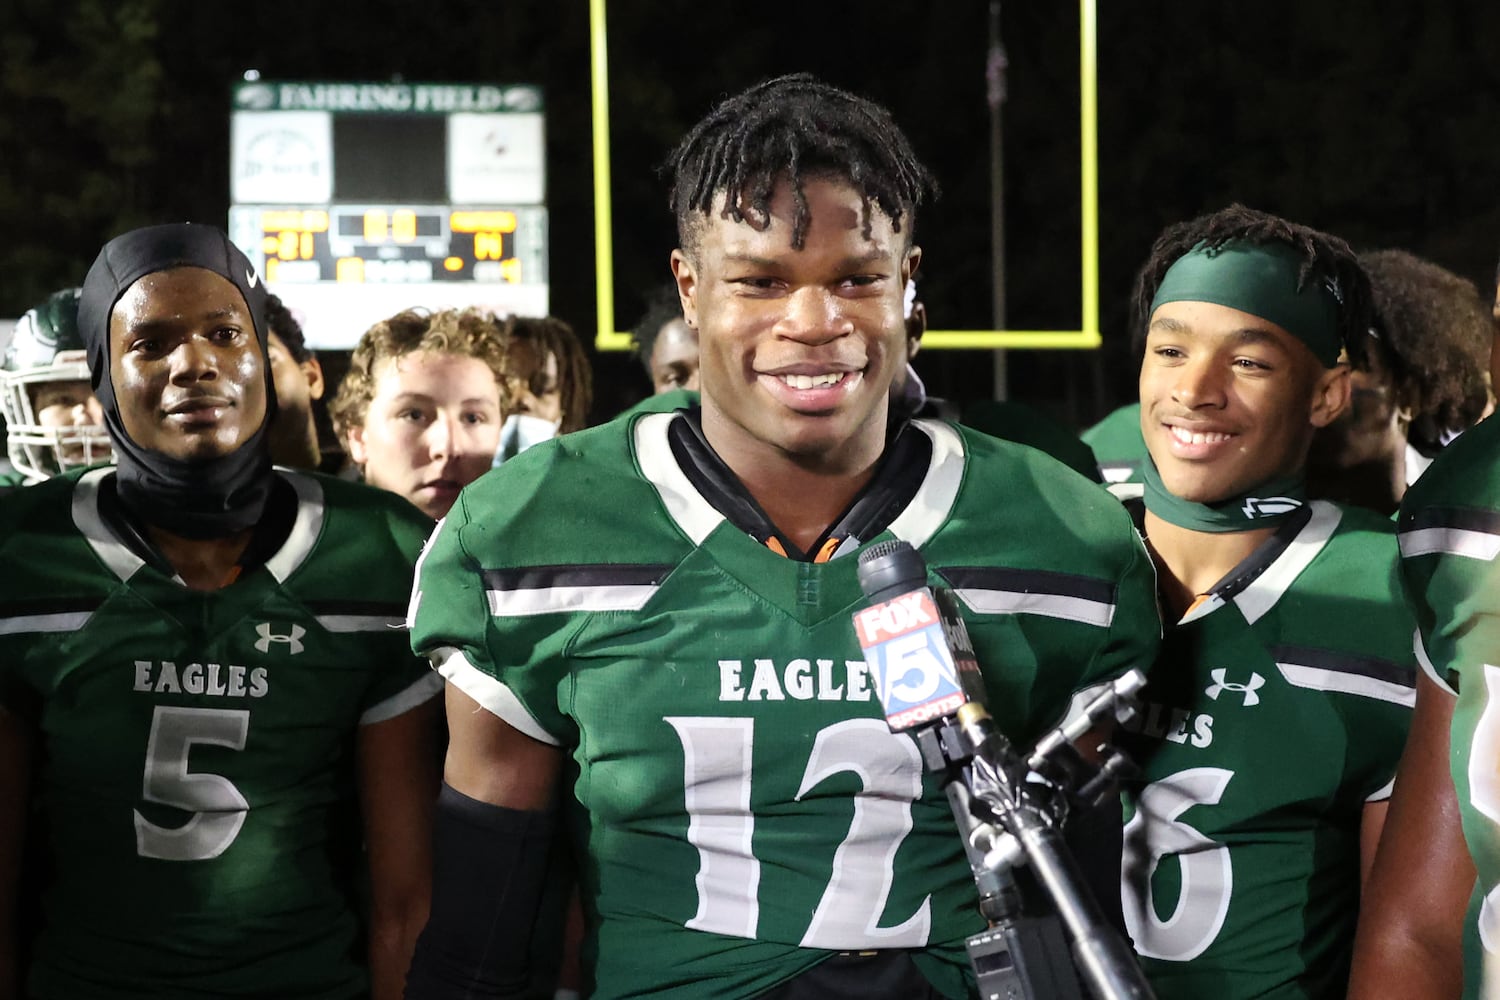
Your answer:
<point x="717" y="754"/>
<point x="217" y="806"/>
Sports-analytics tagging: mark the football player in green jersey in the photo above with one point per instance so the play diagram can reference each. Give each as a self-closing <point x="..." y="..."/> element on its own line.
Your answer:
<point x="1430" y="929"/>
<point x="1275" y="714"/>
<point x="648" y="623"/>
<point x="202" y="678"/>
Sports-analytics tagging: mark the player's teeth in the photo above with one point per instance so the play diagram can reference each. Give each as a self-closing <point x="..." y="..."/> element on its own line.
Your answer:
<point x="812" y="381"/>
<point x="1198" y="437"/>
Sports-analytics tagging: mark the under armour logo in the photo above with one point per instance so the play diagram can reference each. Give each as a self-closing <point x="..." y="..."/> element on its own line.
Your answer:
<point x="1248" y="690"/>
<point x="251" y="277"/>
<point x="1269" y="506"/>
<point x="293" y="639"/>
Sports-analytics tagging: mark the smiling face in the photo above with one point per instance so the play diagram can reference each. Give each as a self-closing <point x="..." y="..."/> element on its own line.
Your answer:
<point x="188" y="372"/>
<point x="1229" y="401"/>
<point x="798" y="347"/>
<point x="431" y="428"/>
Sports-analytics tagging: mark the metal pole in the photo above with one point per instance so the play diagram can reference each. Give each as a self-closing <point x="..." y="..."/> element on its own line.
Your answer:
<point x="995" y="66"/>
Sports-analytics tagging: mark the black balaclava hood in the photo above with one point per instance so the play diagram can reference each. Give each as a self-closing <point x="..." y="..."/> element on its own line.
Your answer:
<point x="205" y="498"/>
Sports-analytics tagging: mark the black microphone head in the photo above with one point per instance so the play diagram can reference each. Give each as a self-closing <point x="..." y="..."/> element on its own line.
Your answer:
<point x="890" y="568"/>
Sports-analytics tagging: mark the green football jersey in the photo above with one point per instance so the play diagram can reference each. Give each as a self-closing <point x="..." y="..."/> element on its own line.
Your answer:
<point x="198" y="748"/>
<point x="1118" y="444"/>
<point x="743" y="810"/>
<point x="1276" y="711"/>
<point x="1450" y="536"/>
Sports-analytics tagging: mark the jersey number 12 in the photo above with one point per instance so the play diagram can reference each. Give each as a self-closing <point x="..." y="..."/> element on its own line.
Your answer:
<point x="717" y="755"/>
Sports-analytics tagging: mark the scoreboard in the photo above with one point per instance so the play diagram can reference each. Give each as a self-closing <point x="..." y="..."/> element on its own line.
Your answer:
<point x="358" y="200"/>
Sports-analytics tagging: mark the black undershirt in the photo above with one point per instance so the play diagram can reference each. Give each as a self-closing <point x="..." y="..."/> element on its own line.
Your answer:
<point x="903" y="466"/>
<point x="266" y="539"/>
<point x="1249" y="569"/>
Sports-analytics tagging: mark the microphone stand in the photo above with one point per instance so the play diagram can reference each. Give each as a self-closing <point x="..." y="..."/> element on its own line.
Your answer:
<point x="1009" y="809"/>
<point x="1008" y="818"/>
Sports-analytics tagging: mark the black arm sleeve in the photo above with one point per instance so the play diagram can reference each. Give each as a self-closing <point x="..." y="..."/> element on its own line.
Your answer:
<point x="489" y="864"/>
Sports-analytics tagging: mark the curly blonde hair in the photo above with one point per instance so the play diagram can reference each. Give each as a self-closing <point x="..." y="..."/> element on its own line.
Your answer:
<point x="467" y="333"/>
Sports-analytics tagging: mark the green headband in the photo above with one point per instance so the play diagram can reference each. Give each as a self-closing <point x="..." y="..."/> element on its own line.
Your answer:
<point x="1259" y="279"/>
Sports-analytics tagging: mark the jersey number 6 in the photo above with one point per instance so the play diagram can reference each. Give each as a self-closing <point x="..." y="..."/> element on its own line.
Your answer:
<point x="1155" y="832"/>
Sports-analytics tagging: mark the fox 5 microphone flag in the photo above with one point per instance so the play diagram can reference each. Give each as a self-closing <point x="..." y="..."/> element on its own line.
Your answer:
<point x="910" y="661"/>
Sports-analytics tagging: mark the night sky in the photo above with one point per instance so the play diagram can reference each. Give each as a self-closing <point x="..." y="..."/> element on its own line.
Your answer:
<point x="1377" y="121"/>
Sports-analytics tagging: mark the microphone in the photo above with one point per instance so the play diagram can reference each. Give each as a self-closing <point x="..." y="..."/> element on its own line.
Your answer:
<point x="916" y="645"/>
<point x="926" y="675"/>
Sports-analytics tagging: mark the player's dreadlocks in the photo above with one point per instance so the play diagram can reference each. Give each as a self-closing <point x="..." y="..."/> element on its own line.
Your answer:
<point x="1324" y="256"/>
<point x="793" y="127"/>
<point x="528" y="341"/>
<point x="1433" y="332"/>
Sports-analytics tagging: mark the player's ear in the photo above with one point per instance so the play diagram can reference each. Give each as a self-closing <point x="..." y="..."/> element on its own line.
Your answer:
<point x="1331" y="394"/>
<point x="358" y="454"/>
<point x="686" y="275"/>
<point x="314" y="372"/>
<point x="916" y="325"/>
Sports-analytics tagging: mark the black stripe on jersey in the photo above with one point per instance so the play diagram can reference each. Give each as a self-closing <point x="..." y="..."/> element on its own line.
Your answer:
<point x="33" y="607"/>
<point x="1028" y="581"/>
<point x="1346" y="663"/>
<point x="1462" y="518"/>
<point x="588" y="575"/>
<point x="374" y="608"/>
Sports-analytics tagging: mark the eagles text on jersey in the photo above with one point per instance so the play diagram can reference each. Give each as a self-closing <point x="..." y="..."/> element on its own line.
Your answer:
<point x="198" y="768"/>
<point x="743" y="809"/>
<point x="1277" y="709"/>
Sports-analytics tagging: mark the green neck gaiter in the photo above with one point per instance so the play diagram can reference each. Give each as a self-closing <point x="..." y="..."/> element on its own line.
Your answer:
<point x="1266" y="506"/>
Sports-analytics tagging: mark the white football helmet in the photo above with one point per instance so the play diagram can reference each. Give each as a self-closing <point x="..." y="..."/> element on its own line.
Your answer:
<point x="46" y="348"/>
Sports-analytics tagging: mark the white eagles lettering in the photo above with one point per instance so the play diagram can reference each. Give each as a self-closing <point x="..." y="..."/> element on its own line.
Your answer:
<point x="764" y="687"/>
<point x="827" y="690"/>
<point x="1175" y="724"/>
<point x="729" y="681"/>
<point x="799" y="680"/>
<point x="212" y="679"/>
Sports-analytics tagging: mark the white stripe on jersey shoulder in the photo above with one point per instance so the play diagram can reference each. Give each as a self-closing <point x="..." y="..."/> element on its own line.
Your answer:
<point x="65" y="621"/>
<point x="1450" y="542"/>
<point x="1425" y="662"/>
<point x="305" y="529"/>
<point x="495" y="697"/>
<point x="929" y="509"/>
<point x="685" y="505"/>
<point x="111" y="551"/>
<point x="555" y="600"/>
<point x="419" y="692"/>
<point x="1322" y="679"/>
<point x="1016" y="602"/>
<point x="1268" y="588"/>
<point x="361" y="623"/>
